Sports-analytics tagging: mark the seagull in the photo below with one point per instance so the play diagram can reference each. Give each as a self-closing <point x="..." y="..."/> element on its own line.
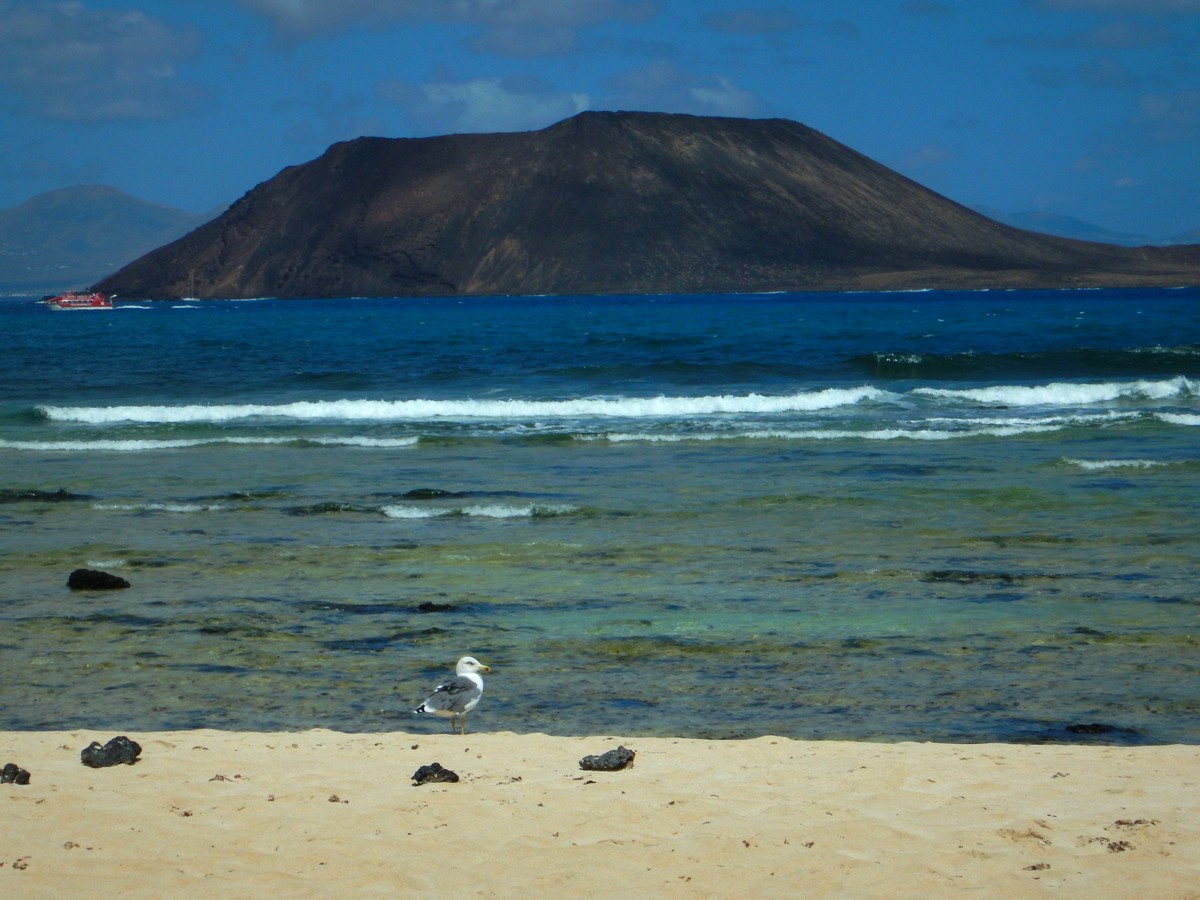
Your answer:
<point x="458" y="696"/>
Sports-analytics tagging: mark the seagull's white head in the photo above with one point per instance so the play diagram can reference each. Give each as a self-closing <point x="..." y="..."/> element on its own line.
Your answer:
<point x="468" y="665"/>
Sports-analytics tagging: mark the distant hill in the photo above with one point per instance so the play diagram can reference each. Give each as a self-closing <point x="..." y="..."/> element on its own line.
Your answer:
<point x="75" y="236"/>
<point x="615" y="203"/>
<point x="1045" y="222"/>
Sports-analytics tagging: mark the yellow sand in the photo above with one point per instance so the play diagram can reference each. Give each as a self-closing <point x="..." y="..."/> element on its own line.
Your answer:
<point x="323" y="814"/>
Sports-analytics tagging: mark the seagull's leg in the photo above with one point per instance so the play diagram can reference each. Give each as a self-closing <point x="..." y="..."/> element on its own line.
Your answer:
<point x="464" y="724"/>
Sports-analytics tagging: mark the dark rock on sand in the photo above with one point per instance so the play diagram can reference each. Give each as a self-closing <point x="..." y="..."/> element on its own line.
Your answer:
<point x="13" y="774"/>
<point x="610" y="761"/>
<point x="94" y="580"/>
<point x="119" y="750"/>
<point x="433" y="773"/>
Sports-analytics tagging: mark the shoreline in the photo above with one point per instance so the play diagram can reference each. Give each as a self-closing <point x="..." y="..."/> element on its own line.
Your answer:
<point x="246" y="814"/>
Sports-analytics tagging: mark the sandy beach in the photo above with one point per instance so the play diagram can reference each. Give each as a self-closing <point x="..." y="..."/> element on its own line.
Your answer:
<point x="206" y="813"/>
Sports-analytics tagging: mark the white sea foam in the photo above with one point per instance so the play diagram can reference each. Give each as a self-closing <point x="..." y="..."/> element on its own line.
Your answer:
<point x="399" y="410"/>
<point x="487" y="511"/>
<point x="146" y="444"/>
<point x="1104" y="417"/>
<point x="836" y="434"/>
<point x="384" y="443"/>
<point x="1099" y="465"/>
<point x="1068" y="393"/>
<point x="159" y="507"/>
<point x="1179" y="418"/>
<point x="120" y="446"/>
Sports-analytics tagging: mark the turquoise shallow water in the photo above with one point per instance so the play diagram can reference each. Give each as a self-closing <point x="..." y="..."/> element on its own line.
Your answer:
<point x="931" y="516"/>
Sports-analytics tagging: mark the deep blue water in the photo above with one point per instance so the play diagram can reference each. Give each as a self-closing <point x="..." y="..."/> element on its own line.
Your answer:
<point x="950" y="516"/>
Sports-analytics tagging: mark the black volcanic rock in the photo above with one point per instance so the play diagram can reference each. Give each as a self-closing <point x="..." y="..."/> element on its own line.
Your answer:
<point x="433" y="773"/>
<point x="13" y="774"/>
<point x="614" y="203"/>
<point x="8" y="495"/>
<point x="95" y="580"/>
<point x="118" y="751"/>
<point x="609" y="761"/>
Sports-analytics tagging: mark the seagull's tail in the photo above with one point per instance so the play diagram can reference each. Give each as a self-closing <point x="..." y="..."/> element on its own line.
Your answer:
<point x="421" y="709"/>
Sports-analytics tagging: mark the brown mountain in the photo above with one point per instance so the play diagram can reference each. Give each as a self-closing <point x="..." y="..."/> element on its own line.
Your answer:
<point x="615" y="203"/>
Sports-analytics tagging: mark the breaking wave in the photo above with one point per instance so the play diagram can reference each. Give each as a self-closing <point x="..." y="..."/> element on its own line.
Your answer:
<point x="1069" y="393"/>
<point x="838" y="434"/>
<point x="424" y="410"/>
<point x="1102" y="465"/>
<point x="1035" y="364"/>
<point x="136" y="445"/>
<point x="486" y="511"/>
<point x="160" y="507"/>
<point x="1179" y="418"/>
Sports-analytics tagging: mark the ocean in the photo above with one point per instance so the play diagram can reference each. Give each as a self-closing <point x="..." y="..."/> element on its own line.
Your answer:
<point x="905" y="516"/>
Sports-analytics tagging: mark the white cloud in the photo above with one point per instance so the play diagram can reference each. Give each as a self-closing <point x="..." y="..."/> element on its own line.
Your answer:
<point x="923" y="159"/>
<point x="1160" y="126"/>
<point x="306" y="18"/>
<point x="927" y="8"/>
<point x="63" y="61"/>
<point x="665" y="87"/>
<point x="759" y="20"/>
<point x="1110" y="36"/>
<point x="330" y="117"/>
<point x="1136" y="7"/>
<point x="1125" y="36"/>
<point x="483" y="104"/>
<point x="1170" y="118"/>
<point x="523" y="41"/>
<point x="772" y="21"/>
<point x="511" y="27"/>
<point x="1101" y="73"/>
<point x="722" y="97"/>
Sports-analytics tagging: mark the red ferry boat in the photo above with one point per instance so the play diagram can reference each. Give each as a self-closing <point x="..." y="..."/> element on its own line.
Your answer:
<point x="79" y="300"/>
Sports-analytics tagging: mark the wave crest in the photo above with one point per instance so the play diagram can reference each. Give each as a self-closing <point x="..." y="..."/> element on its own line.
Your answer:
<point x="422" y="410"/>
<point x="485" y="511"/>
<point x="1068" y="393"/>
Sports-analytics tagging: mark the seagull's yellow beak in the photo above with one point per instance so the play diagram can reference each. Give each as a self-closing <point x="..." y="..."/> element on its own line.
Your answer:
<point x="487" y="669"/>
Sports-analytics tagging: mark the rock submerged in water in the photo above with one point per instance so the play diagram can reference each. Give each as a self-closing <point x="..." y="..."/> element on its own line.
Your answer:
<point x="610" y="761"/>
<point x="117" y="751"/>
<point x="20" y="496"/>
<point x="432" y="773"/>
<point x="95" y="580"/>
<point x="430" y="607"/>
<point x="1103" y="728"/>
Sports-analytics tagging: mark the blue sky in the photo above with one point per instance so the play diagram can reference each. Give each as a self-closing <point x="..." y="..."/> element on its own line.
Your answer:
<point x="1088" y="108"/>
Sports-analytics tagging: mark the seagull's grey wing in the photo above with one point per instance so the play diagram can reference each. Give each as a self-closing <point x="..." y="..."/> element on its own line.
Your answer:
<point x="455" y="696"/>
